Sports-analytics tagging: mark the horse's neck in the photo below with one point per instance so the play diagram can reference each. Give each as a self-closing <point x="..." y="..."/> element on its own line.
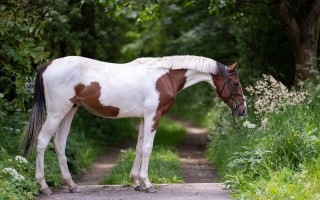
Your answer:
<point x="194" y="77"/>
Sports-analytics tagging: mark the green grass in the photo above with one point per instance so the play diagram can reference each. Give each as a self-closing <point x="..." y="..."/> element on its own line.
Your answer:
<point x="89" y="136"/>
<point x="286" y="184"/>
<point x="279" y="162"/>
<point x="164" y="165"/>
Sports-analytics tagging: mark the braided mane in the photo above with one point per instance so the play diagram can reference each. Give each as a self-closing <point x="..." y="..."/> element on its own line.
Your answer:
<point x="197" y="63"/>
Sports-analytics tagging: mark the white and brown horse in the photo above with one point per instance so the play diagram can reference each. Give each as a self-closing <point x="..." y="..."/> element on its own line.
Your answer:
<point x="144" y="88"/>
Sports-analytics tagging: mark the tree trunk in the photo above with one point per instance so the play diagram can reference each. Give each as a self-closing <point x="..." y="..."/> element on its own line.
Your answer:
<point x="302" y="28"/>
<point x="306" y="62"/>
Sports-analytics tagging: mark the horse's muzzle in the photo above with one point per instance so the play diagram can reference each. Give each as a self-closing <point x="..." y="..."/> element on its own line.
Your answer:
<point x="240" y="111"/>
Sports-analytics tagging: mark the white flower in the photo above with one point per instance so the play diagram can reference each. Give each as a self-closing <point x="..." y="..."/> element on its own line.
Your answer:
<point x="13" y="173"/>
<point x="21" y="160"/>
<point x="271" y="94"/>
<point x="1" y="95"/>
<point x="247" y="124"/>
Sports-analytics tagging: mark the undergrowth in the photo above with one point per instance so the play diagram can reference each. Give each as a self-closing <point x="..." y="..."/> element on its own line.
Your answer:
<point x="164" y="165"/>
<point x="274" y="159"/>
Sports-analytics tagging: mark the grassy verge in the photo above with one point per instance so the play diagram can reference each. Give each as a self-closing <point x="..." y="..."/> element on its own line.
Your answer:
<point x="278" y="162"/>
<point x="164" y="166"/>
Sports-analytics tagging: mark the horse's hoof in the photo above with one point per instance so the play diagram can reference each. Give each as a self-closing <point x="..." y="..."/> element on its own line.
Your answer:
<point x="151" y="190"/>
<point x="138" y="188"/>
<point x="75" y="190"/>
<point x="46" y="191"/>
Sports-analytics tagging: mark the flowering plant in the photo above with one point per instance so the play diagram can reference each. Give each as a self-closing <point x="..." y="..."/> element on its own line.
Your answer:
<point x="16" y="176"/>
<point x="249" y="125"/>
<point x="271" y="95"/>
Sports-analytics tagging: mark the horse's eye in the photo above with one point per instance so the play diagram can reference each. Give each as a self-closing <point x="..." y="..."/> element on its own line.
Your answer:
<point x="236" y="83"/>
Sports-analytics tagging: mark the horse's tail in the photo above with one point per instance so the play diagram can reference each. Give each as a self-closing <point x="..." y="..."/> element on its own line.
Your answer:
<point x="38" y="111"/>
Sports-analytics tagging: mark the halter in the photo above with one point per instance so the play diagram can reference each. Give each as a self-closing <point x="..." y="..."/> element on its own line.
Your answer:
<point x="232" y="92"/>
<point x="232" y="95"/>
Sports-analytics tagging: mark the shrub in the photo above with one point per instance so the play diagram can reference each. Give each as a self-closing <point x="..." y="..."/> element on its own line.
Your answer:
<point x="268" y="161"/>
<point x="15" y="177"/>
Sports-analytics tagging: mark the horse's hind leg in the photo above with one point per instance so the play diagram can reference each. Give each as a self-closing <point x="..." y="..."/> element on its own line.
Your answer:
<point x="60" y="140"/>
<point x="135" y="171"/>
<point x="48" y="129"/>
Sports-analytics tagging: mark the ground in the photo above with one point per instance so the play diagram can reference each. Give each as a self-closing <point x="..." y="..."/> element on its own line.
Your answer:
<point x="199" y="177"/>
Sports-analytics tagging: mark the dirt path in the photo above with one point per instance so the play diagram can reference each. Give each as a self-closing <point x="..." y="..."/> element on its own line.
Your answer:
<point x="195" y="168"/>
<point x="188" y="191"/>
<point x="199" y="177"/>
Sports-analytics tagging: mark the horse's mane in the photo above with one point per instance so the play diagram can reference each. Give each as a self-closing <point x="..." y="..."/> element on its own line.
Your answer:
<point x="197" y="63"/>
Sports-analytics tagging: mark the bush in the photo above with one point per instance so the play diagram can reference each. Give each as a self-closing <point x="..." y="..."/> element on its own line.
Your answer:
<point x="15" y="177"/>
<point x="270" y="160"/>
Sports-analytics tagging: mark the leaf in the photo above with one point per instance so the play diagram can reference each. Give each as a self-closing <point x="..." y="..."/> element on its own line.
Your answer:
<point x="31" y="29"/>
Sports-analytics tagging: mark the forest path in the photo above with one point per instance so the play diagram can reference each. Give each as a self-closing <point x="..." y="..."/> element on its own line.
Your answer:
<point x="199" y="177"/>
<point x="195" y="168"/>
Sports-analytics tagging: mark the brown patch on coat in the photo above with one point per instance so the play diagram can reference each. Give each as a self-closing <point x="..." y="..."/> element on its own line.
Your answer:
<point x="87" y="96"/>
<point x="168" y="85"/>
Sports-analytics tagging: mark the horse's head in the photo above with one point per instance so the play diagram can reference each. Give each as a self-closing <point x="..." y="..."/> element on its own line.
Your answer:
<point x="229" y="88"/>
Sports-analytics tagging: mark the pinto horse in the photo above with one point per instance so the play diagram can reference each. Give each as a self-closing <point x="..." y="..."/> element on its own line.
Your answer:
<point x="144" y="88"/>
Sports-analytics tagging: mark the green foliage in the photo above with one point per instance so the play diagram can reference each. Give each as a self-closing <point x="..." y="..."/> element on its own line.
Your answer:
<point x="169" y="133"/>
<point x="82" y="150"/>
<point x="15" y="178"/>
<point x="180" y="30"/>
<point x="257" y="42"/>
<point x="260" y="158"/>
<point x="21" y="49"/>
<point x="164" y="166"/>
<point x="194" y="103"/>
<point x="107" y="131"/>
<point x="121" y="30"/>
<point x="286" y="184"/>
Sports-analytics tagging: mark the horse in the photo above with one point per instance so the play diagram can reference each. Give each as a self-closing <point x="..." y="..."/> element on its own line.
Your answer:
<point x="145" y="88"/>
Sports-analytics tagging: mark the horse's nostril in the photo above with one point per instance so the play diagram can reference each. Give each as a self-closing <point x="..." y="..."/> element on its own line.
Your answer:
<point x="241" y="113"/>
<point x="244" y="111"/>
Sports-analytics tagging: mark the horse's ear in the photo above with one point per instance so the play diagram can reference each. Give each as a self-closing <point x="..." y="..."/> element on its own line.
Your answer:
<point x="233" y="67"/>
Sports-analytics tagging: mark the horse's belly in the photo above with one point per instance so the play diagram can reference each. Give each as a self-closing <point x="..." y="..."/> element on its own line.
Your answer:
<point x="110" y="111"/>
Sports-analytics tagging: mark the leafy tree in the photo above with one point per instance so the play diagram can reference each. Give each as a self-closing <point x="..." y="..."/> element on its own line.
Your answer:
<point x="21" y="50"/>
<point x="298" y="20"/>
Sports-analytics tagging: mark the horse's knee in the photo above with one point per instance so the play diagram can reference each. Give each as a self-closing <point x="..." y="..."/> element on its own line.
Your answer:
<point x="41" y="145"/>
<point x="146" y="150"/>
<point x="139" y="151"/>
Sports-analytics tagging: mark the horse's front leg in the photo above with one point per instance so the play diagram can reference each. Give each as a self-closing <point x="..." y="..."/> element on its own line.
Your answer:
<point x="60" y="141"/>
<point x="149" y="133"/>
<point x="135" y="171"/>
